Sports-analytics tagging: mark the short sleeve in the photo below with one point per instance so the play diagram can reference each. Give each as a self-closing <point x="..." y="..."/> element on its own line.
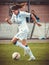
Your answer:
<point x="12" y="18"/>
<point x="25" y="14"/>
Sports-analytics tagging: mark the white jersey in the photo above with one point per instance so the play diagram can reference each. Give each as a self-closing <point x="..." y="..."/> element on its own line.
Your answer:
<point x="21" y="20"/>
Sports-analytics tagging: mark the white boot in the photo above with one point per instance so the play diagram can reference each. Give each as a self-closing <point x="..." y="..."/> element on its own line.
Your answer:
<point x="31" y="59"/>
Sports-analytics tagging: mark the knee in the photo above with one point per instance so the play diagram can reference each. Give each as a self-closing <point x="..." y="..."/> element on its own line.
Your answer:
<point x="14" y="42"/>
<point x="24" y="42"/>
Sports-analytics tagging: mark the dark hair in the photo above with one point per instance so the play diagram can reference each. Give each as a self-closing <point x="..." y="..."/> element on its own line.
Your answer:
<point x="16" y="7"/>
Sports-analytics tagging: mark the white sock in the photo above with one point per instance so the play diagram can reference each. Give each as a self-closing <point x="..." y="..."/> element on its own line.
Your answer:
<point x="25" y="52"/>
<point x="29" y="52"/>
<point x="20" y="45"/>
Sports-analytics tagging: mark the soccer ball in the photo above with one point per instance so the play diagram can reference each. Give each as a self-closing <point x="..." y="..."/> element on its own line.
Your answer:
<point x="16" y="55"/>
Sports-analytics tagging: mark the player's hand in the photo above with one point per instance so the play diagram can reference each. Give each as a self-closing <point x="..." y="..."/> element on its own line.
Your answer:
<point x="6" y="19"/>
<point x="39" y="24"/>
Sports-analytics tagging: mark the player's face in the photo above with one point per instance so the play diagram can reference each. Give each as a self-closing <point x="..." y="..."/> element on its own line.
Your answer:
<point x="15" y="12"/>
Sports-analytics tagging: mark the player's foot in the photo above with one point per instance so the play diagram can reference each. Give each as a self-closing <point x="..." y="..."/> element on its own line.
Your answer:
<point x="31" y="59"/>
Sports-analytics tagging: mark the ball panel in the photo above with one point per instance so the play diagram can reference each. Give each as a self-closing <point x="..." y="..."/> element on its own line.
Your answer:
<point x="15" y="55"/>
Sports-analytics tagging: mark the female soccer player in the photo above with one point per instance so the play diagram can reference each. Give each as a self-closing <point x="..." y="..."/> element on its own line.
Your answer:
<point x="20" y="38"/>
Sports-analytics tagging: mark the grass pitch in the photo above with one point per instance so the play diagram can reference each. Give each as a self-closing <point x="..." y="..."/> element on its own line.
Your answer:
<point x="40" y="51"/>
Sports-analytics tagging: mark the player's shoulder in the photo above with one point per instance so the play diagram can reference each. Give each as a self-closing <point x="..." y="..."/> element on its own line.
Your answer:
<point x="22" y="12"/>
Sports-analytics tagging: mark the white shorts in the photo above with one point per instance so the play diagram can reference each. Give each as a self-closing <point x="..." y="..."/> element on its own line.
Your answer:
<point x="22" y="35"/>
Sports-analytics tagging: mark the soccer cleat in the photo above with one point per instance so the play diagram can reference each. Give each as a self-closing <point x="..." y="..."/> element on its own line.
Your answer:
<point x="31" y="59"/>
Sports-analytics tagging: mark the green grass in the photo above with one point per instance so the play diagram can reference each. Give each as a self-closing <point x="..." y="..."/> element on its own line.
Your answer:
<point x="40" y="51"/>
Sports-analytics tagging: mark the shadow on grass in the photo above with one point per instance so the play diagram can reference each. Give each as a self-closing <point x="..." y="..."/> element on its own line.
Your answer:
<point x="24" y="62"/>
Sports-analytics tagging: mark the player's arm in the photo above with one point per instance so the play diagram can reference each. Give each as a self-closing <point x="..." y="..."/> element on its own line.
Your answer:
<point x="8" y="21"/>
<point x="35" y="21"/>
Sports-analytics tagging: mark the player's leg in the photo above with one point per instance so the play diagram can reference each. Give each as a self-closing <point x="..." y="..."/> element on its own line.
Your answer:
<point x="14" y="40"/>
<point x="28" y="51"/>
<point x="25" y="44"/>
